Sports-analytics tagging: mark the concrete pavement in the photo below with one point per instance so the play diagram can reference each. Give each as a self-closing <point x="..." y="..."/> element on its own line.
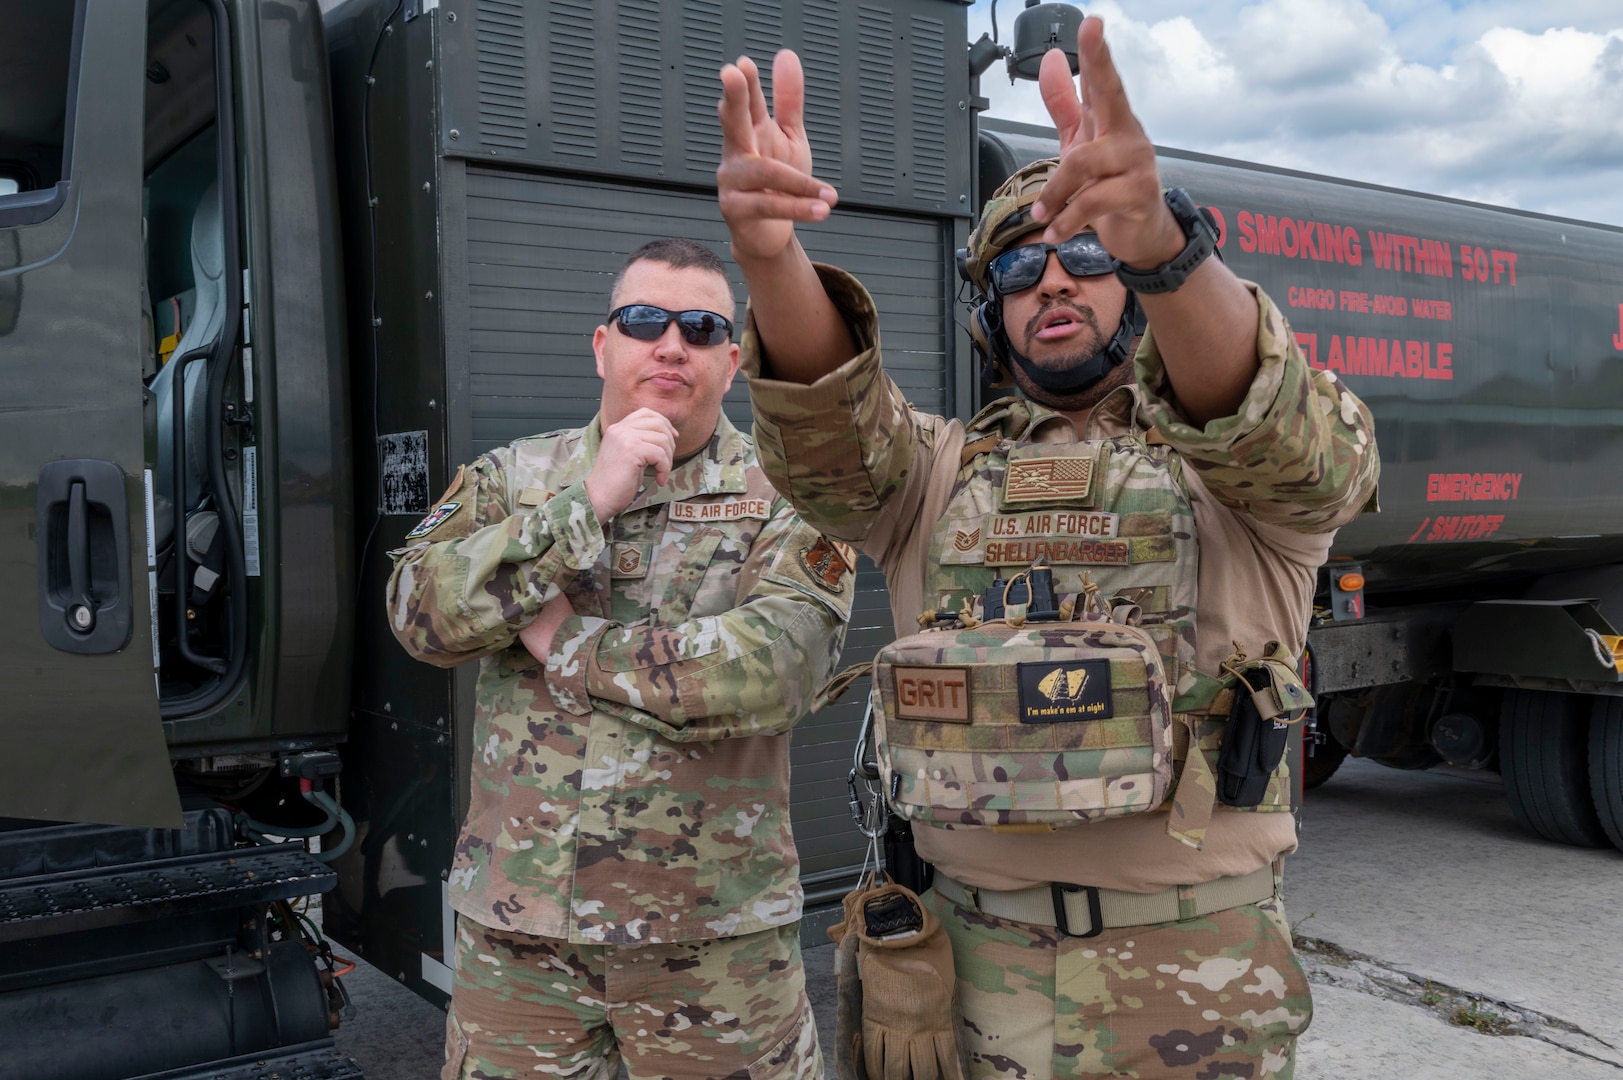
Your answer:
<point x="1421" y="905"/>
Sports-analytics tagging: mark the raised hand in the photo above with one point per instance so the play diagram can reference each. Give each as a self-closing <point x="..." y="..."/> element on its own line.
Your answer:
<point x="765" y="183"/>
<point x="1107" y="176"/>
<point x="644" y="438"/>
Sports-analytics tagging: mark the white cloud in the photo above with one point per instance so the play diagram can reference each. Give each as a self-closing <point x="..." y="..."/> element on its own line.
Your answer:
<point x="1508" y="103"/>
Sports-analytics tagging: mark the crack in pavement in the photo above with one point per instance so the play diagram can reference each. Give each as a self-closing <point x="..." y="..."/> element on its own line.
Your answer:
<point x="1329" y="963"/>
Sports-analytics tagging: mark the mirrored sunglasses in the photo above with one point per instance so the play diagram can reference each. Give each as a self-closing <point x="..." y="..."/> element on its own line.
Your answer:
<point x="1020" y="268"/>
<point x="645" y="322"/>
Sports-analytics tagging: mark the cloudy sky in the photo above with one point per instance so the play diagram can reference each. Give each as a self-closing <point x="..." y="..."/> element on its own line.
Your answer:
<point x="1510" y="102"/>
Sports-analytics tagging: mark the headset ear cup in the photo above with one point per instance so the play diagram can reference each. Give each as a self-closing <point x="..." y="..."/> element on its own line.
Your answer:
<point x="985" y="330"/>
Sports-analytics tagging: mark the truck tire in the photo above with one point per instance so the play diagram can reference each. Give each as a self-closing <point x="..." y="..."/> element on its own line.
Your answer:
<point x="1543" y="758"/>
<point x="1606" y="764"/>
<point x="1319" y="763"/>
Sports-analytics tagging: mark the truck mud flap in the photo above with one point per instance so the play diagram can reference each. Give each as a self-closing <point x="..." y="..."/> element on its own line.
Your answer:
<point x="79" y="900"/>
<point x="312" y="1061"/>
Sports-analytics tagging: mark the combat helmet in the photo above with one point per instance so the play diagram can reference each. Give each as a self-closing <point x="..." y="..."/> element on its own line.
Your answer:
<point x="1004" y="219"/>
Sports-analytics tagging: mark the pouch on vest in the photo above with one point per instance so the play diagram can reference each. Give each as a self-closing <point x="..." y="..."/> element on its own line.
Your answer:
<point x="1045" y="724"/>
<point x="1269" y="700"/>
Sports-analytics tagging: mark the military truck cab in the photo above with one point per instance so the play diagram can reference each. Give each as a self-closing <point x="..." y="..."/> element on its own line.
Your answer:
<point x="175" y="441"/>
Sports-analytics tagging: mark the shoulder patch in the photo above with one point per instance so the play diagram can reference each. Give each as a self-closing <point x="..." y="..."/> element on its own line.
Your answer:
<point x="811" y="563"/>
<point x="828" y="563"/>
<point x="434" y="520"/>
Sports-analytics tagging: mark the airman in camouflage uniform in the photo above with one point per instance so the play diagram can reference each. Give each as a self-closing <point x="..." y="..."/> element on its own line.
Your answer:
<point x="650" y="617"/>
<point x="1102" y="927"/>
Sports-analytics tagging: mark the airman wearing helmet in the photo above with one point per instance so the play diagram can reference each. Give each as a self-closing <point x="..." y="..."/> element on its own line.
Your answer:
<point x="1099" y="563"/>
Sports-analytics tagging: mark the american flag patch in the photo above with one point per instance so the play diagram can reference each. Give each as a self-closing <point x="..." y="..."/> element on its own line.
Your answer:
<point x="1047" y="480"/>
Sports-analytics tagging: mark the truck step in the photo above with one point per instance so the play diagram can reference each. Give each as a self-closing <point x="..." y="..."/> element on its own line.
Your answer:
<point x="80" y="900"/>
<point x="320" y="1061"/>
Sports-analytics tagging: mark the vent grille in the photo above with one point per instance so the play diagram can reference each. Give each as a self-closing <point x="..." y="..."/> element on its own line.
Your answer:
<point x="642" y="98"/>
<point x="822" y="53"/>
<point x="876" y="120"/>
<point x="572" y="78"/>
<point x="503" y="111"/>
<point x="929" y="71"/>
<point x="763" y="37"/>
<point x="702" y="58"/>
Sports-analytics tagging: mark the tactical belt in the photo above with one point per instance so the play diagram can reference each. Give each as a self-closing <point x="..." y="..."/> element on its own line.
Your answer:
<point x="1086" y="910"/>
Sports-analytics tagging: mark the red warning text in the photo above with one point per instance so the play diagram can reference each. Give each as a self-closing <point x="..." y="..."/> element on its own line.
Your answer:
<point x="1458" y="527"/>
<point x="1479" y="264"/>
<point x="1389" y="357"/>
<point x="1412" y="254"/>
<point x="1297" y="238"/>
<point x="1468" y="487"/>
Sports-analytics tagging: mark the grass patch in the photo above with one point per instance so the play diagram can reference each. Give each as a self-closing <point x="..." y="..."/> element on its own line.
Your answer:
<point x="1478" y="1017"/>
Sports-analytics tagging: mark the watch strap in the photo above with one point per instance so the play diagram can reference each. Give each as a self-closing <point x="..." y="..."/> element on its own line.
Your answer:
<point x="1170" y="275"/>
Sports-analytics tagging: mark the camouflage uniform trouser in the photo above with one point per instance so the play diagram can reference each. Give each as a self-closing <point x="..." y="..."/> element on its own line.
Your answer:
<point x="728" y="1007"/>
<point x="1219" y="997"/>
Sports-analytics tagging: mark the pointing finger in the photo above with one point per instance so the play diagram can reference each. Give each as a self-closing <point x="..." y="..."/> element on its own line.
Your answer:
<point x="1059" y="96"/>
<point x="1103" y="87"/>
<point x="759" y="114"/>
<point x="737" y="135"/>
<point x="788" y="91"/>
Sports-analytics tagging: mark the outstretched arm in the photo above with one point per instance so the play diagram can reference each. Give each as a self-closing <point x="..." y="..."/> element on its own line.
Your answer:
<point x="764" y="185"/>
<point x="1206" y="330"/>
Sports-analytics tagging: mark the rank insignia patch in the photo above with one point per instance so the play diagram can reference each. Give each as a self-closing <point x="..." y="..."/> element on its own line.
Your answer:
<point x="1064" y="692"/>
<point x="629" y="560"/>
<point x="433" y="520"/>
<point x="966" y="541"/>
<point x="828" y="563"/>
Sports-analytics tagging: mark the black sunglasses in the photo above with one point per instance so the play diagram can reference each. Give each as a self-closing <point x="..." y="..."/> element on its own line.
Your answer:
<point x="1020" y="268"/>
<point x="645" y="322"/>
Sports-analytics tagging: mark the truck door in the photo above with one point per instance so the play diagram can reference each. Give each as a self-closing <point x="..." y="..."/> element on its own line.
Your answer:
<point x="80" y="733"/>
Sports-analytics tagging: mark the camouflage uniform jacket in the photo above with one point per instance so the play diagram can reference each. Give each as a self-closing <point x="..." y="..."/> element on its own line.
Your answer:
<point x="635" y="787"/>
<point x="1268" y="487"/>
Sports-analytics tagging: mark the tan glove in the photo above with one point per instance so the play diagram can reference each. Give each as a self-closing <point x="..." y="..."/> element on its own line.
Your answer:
<point x="848" y="985"/>
<point x="911" y="1029"/>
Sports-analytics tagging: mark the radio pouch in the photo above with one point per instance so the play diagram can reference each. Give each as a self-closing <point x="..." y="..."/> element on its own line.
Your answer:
<point x="1269" y="700"/>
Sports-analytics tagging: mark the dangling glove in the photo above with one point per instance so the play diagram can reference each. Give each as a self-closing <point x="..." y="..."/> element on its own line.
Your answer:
<point x="910" y="1024"/>
<point x="848" y="984"/>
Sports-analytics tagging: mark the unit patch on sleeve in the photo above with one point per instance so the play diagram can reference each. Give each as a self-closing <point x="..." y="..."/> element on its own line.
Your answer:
<point x="434" y="520"/>
<point x="828" y="563"/>
<point x="1063" y="692"/>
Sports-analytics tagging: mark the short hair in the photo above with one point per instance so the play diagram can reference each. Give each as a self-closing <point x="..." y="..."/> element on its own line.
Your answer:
<point x="677" y="253"/>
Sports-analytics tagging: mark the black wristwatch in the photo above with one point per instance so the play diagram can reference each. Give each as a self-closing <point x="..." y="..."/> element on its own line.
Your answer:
<point x="1170" y="276"/>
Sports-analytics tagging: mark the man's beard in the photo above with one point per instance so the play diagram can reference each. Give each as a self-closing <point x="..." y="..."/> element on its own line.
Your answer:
<point x="1083" y="397"/>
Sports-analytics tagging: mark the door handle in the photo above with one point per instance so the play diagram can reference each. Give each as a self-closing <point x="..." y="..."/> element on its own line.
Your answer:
<point x="81" y="604"/>
<point x="83" y="526"/>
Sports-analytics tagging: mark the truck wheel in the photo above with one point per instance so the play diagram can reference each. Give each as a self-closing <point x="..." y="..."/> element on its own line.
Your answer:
<point x="1319" y="763"/>
<point x="1543" y="752"/>
<point x="1606" y="764"/>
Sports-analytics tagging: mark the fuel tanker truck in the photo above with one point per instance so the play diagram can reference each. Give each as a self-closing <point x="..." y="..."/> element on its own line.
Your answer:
<point x="269" y="273"/>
